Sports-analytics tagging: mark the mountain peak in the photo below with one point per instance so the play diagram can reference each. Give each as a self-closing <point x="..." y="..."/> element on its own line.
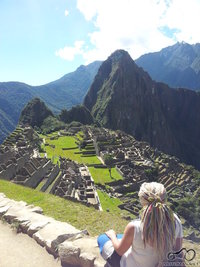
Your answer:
<point x="118" y="54"/>
<point x="115" y="77"/>
<point x="119" y="65"/>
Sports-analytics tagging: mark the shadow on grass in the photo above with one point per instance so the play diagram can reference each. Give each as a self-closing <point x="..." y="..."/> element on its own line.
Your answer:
<point x="69" y="148"/>
<point x="88" y="156"/>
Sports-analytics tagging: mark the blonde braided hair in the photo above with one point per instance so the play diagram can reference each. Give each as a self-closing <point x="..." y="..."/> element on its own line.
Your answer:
<point x="158" y="225"/>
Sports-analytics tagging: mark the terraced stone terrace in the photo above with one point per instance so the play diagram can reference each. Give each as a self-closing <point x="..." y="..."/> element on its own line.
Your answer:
<point x="21" y="164"/>
<point x="71" y="165"/>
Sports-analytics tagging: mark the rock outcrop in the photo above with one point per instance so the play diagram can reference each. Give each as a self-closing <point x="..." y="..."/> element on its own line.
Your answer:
<point x="34" y="113"/>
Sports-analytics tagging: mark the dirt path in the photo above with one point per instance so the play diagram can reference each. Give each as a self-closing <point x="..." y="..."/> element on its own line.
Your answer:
<point x="19" y="250"/>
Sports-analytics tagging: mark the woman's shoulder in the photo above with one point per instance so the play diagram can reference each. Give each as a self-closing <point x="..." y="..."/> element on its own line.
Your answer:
<point x="178" y="226"/>
<point x="177" y="218"/>
<point x="136" y="223"/>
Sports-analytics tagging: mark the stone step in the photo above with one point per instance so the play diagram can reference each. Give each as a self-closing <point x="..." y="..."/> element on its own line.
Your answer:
<point x="170" y="186"/>
<point x="163" y="178"/>
<point x="168" y="181"/>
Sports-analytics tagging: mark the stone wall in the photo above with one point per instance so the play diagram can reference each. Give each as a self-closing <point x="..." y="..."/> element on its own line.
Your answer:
<point x="37" y="177"/>
<point x="50" y="178"/>
<point x="74" y="247"/>
<point x="5" y="155"/>
<point x="76" y="183"/>
<point x="9" y="173"/>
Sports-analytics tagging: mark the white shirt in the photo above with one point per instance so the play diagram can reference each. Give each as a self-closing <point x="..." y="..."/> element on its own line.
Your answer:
<point x="140" y="256"/>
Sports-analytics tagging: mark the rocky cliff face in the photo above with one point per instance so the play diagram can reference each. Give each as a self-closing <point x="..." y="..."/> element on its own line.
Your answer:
<point x="123" y="96"/>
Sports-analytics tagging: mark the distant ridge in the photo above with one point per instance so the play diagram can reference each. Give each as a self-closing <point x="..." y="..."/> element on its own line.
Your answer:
<point x="177" y="65"/>
<point x="123" y="96"/>
<point x="64" y="93"/>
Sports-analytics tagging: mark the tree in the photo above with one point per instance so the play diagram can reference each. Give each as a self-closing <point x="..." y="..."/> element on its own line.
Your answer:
<point x="109" y="161"/>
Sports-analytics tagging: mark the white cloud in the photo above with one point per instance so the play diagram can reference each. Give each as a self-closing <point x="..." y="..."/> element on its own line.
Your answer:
<point x="135" y="25"/>
<point x="89" y="8"/>
<point x="184" y="16"/>
<point x="127" y="24"/>
<point x="69" y="52"/>
<point x="66" y="12"/>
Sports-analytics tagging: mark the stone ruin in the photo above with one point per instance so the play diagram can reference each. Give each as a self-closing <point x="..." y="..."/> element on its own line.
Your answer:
<point x="76" y="183"/>
<point x="137" y="162"/>
<point x="21" y="137"/>
<point x="19" y="166"/>
<point x="21" y="163"/>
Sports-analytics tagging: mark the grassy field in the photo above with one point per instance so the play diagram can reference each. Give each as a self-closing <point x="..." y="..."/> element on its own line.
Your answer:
<point x="72" y="151"/>
<point x="77" y="214"/>
<point x="109" y="202"/>
<point x="100" y="175"/>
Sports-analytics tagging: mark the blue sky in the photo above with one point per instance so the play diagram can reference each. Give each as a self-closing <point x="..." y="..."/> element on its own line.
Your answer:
<point x="30" y="33"/>
<point x="41" y="40"/>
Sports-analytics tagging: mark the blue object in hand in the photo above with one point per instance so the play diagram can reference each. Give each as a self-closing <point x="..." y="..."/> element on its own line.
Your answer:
<point x="103" y="238"/>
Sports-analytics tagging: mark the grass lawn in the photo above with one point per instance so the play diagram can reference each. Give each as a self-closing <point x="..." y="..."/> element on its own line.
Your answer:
<point x="72" y="148"/>
<point x="79" y="215"/>
<point x="102" y="176"/>
<point x="110" y="202"/>
<point x="99" y="175"/>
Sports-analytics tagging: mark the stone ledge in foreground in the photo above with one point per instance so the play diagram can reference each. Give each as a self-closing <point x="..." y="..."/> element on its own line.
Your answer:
<point x="72" y="246"/>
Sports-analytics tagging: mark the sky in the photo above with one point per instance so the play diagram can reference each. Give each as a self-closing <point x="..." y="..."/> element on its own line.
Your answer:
<point x="42" y="40"/>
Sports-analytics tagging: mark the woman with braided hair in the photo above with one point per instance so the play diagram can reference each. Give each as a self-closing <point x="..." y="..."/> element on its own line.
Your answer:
<point x="148" y="241"/>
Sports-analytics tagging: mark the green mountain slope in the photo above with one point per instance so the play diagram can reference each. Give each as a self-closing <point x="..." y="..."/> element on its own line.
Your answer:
<point x="63" y="93"/>
<point x="69" y="90"/>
